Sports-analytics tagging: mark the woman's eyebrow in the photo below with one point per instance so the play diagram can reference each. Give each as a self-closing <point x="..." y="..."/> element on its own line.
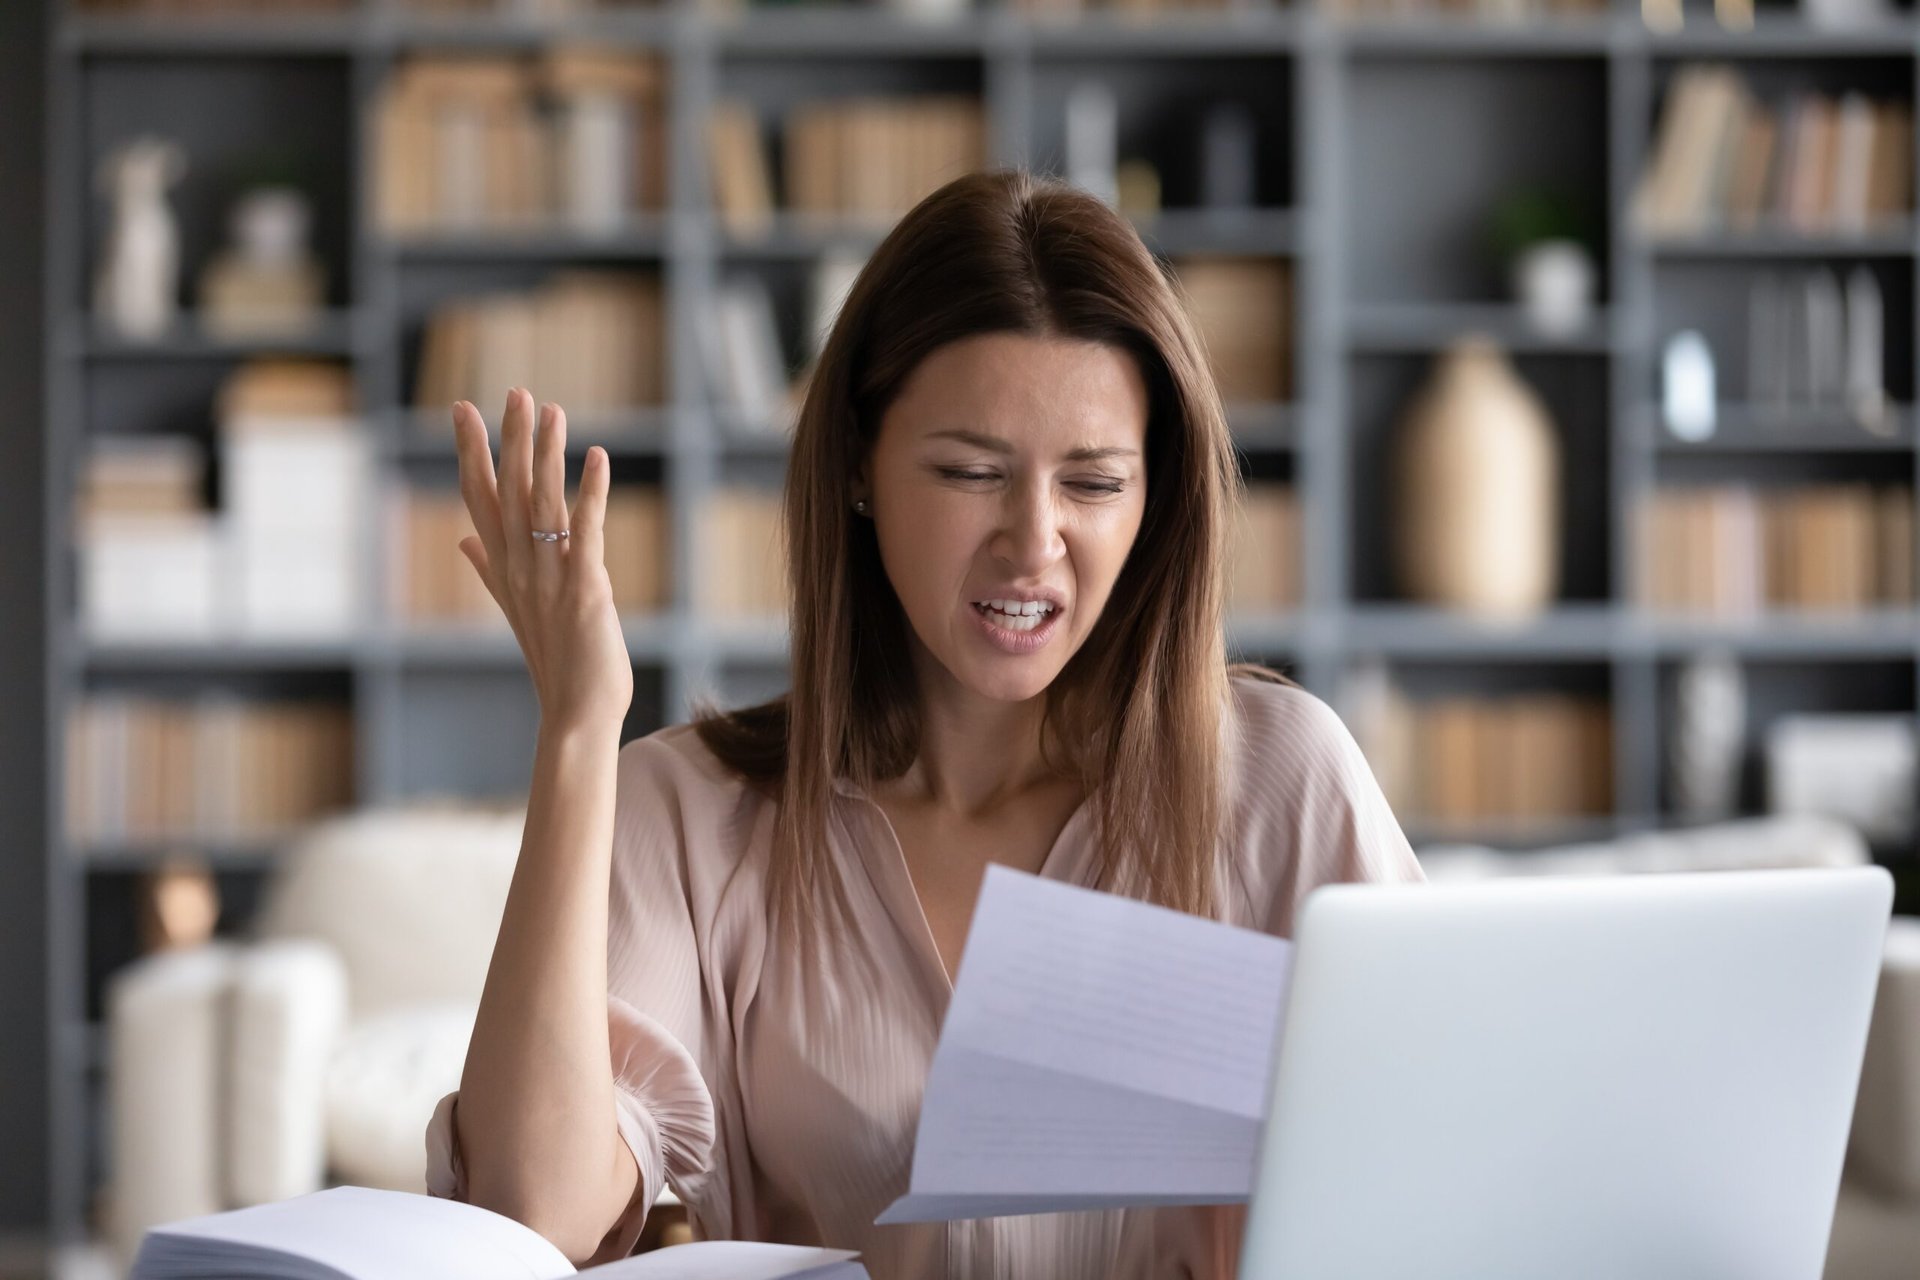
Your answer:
<point x="995" y="444"/>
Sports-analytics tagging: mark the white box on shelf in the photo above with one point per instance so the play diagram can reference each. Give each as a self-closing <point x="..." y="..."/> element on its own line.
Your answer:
<point x="306" y="475"/>
<point x="294" y="586"/>
<point x="151" y="577"/>
<point x="1856" y="768"/>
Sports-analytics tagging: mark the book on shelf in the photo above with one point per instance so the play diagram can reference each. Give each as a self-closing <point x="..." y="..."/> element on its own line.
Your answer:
<point x="590" y="341"/>
<point x="1492" y="11"/>
<point x="744" y="568"/>
<point x="873" y="158"/>
<point x="1264" y="554"/>
<point x="435" y="583"/>
<point x="1736" y="551"/>
<point x="742" y="181"/>
<point x="215" y="766"/>
<point x="1243" y="308"/>
<point x="745" y="363"/>
<point x="126" y="475"/>
<point x="575" y="138"/>
<point x="192" y="8"/>
<point x="1468" y="761"/>
<point x="364" y="1233"/>
<point x="1817" y="343"/>
<point x="1809" y="163"/>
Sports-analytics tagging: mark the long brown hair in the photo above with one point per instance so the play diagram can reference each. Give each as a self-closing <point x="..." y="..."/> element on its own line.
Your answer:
<point x="1141" y="704"/>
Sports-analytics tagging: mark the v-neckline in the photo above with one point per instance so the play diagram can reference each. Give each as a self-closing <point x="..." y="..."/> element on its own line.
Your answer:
<point x="911" y="915"/>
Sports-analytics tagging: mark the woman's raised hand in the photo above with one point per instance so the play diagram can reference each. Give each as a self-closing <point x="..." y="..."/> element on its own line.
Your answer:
<point x="556" y="595"/>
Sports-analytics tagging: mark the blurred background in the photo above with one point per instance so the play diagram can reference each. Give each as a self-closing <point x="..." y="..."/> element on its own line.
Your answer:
<point x="1570" y="349"/>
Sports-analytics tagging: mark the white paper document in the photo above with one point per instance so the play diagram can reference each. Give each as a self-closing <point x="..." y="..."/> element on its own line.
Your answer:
<point x="1098" y="1053"/>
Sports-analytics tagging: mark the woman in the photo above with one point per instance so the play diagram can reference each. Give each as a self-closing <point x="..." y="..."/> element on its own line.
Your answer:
<point x="728" y="946"/>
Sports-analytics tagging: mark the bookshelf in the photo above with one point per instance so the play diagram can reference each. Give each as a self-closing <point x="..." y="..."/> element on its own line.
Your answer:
<point x="1383" y="143"/>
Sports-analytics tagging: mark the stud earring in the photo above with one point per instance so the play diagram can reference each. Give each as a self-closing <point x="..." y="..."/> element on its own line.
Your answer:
<point x="860" y="505"/>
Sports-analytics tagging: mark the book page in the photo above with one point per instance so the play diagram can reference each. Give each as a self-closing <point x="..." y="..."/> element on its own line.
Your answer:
<point x="1098" y="1052"/>
<point x="367" y="1234"/>
<point x="734" y="1260"/>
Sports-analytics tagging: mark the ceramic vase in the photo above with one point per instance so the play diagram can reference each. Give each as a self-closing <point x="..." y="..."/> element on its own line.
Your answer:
<point x="1476" y="488"/>
<point x="136" y="289"/>
<point x="1554" y="281"/>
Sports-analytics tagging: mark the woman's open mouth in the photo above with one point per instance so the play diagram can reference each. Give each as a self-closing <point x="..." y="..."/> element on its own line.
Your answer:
<point x="1017" y="626"/>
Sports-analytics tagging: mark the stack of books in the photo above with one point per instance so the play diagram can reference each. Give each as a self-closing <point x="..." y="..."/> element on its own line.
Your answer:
<point x="296" y="468"/>
<point x="147" y="544"/>
<point x="591" y="341"/>
<point x="1263" y="574"/>
<point x="217" y="767"/>
<point x="196" y="7"/>
<point x="1243" y="307"/>
<point x="434" y="583"/>
<point x="866" y="158"/>
<point x="577" y="139"/>
<point x="744" y="567"/>
<point x="1810" y="163"/>
<point x="1735" y="551"/>
<point x="280" y="558"/>
<point x="744" y="360"/>
<point x="1481" y="10"/>
<point x="1474" y="762"/>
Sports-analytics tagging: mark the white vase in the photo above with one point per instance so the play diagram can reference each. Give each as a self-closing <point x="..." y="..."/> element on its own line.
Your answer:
<point x="137" y="287"/>
<point x="1477" y="489"/>
<point x="1554" y="283"/>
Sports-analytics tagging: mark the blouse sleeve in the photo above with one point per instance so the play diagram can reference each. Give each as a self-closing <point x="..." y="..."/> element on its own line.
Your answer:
<point x="1309" y="810"/>
<point x="665" y="1035"/>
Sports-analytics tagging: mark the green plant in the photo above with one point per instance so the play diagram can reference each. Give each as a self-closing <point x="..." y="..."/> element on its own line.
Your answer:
<point x="269" y="167"/>
<point x="1527" y="215"/>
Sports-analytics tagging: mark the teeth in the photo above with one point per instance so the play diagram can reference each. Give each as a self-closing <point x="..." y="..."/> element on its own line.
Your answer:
<point x="1017" y="608"/>
<point x="1017" y="615"/>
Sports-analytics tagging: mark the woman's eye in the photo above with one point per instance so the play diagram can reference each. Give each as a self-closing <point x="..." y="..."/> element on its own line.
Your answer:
<point x="1083" y="486"/>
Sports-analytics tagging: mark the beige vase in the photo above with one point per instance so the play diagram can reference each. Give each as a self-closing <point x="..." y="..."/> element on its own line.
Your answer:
<point x="1476" y="489"/>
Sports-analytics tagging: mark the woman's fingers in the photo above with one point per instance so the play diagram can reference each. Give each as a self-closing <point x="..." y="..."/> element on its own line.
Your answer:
<point x="548" y="506"/>
<point x="589" y="520"/>
<point x="516" y="481"/>
<point x="477" y="485"/>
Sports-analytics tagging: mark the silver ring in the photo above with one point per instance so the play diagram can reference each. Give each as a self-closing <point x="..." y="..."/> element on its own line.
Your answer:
<point x="541" y="535"/>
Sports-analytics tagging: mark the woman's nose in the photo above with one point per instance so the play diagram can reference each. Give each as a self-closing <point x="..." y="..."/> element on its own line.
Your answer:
<point x="1028" y="540"/>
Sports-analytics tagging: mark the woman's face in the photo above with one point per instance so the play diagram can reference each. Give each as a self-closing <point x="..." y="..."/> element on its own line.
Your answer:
<point x="1006" y="486"/>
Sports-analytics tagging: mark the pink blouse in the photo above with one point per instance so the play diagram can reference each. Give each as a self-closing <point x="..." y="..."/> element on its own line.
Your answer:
<point x="777" y="1091"/>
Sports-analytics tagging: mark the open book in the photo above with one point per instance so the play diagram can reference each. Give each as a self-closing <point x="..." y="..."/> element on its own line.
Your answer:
<point x="359" y="1233"/>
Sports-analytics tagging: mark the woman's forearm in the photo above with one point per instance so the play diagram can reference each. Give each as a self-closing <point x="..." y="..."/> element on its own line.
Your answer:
<point x="535" y="1117"/>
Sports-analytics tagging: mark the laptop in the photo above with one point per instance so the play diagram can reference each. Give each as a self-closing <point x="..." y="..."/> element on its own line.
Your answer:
<point x="1643" y="1076"/>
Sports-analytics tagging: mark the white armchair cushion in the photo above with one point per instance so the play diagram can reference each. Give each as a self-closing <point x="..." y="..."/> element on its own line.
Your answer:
<point x="382" y="1084"/>
<point x="410" y="898"/>
<point x="1757" y="844"/>
<point x="167" y="1090"/>
<point x="287" y="1015"/>
<point x="1886" y="1129"/>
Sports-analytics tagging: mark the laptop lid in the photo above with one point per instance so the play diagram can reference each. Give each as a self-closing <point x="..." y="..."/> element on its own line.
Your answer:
<point x="1631" y="1076"/>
